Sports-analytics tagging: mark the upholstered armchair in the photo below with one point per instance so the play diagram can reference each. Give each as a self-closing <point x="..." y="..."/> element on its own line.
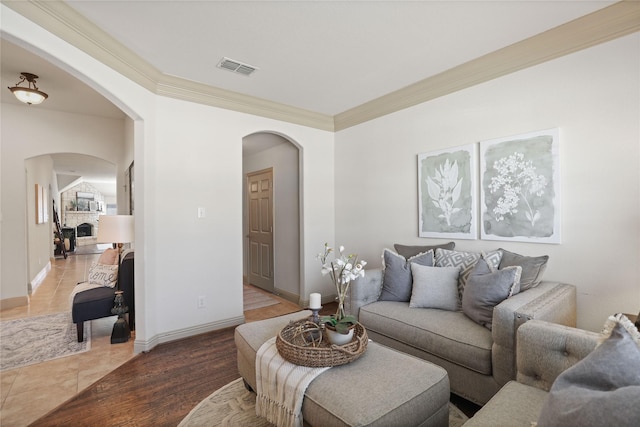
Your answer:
<point x="97" y="303"/>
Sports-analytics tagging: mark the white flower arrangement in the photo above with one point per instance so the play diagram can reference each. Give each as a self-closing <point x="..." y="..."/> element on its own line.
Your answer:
<point x="342" y="270"/>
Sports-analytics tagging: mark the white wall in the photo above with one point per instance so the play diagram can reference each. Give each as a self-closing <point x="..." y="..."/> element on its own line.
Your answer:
<point x="283" y="158"/>
<point x="178" y="257"/>
<point x="38" y="170"/>
<point x="592" y="96"/>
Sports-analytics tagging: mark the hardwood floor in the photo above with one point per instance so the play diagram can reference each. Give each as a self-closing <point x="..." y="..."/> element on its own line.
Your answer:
<point x="160" y="387"/>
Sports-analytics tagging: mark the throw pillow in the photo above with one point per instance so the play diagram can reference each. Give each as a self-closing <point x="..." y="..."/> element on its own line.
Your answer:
<point x="434" y="287"/>
<point x="493" y="259"/>
<point x="103" y="275"/>
<point x="109" y="257"/>
<point x="603" y="389"/>
<point x="485" y="289"/>
<point x="397" y="279"/>
<point x="465" y="260"/>
<point x="532" y="267"/>
<point x="409" y="251"/>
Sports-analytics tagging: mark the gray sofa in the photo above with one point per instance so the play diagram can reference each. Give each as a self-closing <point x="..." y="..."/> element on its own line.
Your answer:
<point x="545" y="350"/>
<point x="479" y="361"/>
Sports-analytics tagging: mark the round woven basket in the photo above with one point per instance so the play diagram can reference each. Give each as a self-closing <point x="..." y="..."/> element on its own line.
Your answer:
<point x="293" y="346"/>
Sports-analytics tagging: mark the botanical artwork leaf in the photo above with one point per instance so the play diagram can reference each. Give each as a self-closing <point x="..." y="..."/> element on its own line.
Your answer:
<point x="447" y="193"/>
<point x="519" y="186"/>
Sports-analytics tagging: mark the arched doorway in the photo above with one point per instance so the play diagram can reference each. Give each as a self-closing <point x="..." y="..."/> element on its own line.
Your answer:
<point x="271" y="166"/>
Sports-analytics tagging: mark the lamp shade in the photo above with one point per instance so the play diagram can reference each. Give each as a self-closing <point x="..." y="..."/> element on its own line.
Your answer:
<point x="115" y="229"/>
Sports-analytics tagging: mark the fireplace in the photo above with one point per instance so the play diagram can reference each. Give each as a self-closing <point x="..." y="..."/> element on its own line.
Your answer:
<point x="85" y="229"/>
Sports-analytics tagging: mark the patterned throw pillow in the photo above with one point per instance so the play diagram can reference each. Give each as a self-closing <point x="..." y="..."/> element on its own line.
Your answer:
<point x="465" y="260"/>
<point x="397" y="279"/>
<point x="103" y="274"/>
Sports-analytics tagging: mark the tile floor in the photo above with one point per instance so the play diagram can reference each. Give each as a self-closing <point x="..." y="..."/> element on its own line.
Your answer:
<point x="32" y="391"/>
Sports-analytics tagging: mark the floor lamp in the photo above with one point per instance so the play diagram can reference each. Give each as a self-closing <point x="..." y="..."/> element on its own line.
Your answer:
<point x="117" y="229"/>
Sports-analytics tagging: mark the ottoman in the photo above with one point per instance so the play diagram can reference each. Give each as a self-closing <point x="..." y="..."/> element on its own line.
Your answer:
<point x="383" y="387"/>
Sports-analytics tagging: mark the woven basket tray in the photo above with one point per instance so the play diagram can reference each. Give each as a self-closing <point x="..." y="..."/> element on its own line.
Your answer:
<point x="293" y="347"/>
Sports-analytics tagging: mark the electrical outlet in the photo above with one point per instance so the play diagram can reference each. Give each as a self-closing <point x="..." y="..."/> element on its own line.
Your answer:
<point x="201" y="302"/>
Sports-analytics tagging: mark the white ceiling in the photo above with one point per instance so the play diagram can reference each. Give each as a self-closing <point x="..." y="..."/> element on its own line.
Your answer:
<point x="322" y="56"/>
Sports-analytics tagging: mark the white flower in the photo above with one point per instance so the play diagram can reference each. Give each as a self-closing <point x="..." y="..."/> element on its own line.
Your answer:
<point x="518" y="181"/>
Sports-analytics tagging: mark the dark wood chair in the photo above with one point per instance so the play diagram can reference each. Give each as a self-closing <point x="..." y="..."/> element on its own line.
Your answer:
<point x="97" y="303"/>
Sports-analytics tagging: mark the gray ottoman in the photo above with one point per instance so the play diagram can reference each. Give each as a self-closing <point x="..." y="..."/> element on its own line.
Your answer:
<point x="382" y="388"/>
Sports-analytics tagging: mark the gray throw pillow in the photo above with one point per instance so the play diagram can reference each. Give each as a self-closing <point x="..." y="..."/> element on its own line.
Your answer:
<point x="486" y="289"/>
<point x="434" y="287"/>
<point x="532" y="267"/>
<point x="397" y="279"/>
<point x="409" y="251"/>
<point x="603" y="389"/>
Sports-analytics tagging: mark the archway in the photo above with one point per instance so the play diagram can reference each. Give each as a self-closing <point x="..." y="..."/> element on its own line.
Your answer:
<point x="270" y="151"/>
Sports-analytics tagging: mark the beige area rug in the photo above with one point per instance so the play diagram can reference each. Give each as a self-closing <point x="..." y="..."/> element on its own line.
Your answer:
<point x="234" y="405"/>
<point x="37" y="339"/>
<point x="253" y="298"/>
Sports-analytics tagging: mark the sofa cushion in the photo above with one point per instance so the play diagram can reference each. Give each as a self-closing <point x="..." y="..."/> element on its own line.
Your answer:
<point x="434" y="287"/>
<point x="486" y="289"/>
<point x="466" y="261"/>
<point x="601" y="389"/>
<point x="532" y="267"/>
<point x="409" y="251"/>
<point x="397" y="279"/>
<point x="103" y="275"/>
<point x="449" y="335"/>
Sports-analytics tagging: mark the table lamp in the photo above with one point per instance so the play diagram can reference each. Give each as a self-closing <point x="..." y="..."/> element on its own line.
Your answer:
<point x="117" y="229"/>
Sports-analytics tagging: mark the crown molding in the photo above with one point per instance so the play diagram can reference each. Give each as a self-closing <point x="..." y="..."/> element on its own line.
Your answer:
<point x="63" y="21"/>
<point x="604" y="25"/>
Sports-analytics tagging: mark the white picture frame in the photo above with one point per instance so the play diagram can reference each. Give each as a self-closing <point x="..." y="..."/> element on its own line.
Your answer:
<point x="447" y="193"/>
<point x="520" y="188"/>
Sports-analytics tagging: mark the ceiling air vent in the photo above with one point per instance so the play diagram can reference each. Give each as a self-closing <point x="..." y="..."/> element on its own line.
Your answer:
<point x="236" y="66"/>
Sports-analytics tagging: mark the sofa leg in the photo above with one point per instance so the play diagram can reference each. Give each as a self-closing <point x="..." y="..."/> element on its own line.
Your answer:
<point x="80" y="326"/>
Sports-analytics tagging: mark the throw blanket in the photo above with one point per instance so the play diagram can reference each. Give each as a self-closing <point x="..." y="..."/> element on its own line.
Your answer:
<point x="281" y="386"/>
<point x="84" y="286"/>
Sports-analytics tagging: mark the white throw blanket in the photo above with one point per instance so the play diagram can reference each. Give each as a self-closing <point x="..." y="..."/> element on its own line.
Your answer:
<point x="281" y="386"/>
<point x="84" y="286"/>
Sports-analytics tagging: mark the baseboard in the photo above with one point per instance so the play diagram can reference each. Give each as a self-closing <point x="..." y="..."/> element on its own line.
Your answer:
<point x="140" y="346"/>
<point x="37" y="281"/>
<point x="294" y="298"/>
<point x="9" y="303"/>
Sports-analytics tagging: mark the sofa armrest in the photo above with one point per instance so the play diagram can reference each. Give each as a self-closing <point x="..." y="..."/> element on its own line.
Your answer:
<point x="547" y="349"/>
<point x="364" y="290"/>
<point x="550" y="301"/>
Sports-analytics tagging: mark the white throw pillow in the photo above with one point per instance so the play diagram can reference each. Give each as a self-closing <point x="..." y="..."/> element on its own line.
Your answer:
<point x="103" y="274"/>
<point x="434" y="287"/>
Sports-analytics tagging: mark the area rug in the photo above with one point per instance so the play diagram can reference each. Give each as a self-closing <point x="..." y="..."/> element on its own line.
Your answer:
<point x="37" y="339"/>
<point x="254" y="299"/>
<point x="234" y="405"/>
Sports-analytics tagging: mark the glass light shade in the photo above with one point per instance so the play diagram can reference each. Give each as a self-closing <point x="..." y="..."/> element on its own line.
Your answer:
<point x="115" y="229"/>
<point x="28" y="95"/>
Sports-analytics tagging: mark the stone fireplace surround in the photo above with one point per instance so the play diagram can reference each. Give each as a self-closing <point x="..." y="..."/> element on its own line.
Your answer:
<point x="75" y="218"/>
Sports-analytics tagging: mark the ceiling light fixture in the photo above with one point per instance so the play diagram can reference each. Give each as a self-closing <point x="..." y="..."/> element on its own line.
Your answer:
<point x="30" y="94"/>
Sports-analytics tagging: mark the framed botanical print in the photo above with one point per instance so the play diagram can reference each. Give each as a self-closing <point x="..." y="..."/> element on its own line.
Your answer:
<point x="447" y="188"/>
<point x="520" y="188"/>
